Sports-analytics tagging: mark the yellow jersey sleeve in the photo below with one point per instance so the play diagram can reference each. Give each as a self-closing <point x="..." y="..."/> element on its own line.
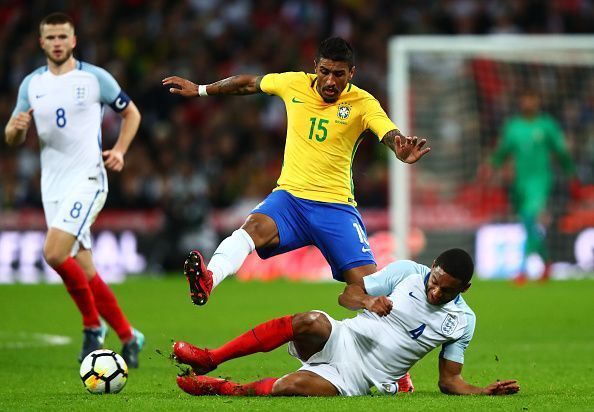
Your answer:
<point x="278" y="83"/>
<point x="375" y="118"/>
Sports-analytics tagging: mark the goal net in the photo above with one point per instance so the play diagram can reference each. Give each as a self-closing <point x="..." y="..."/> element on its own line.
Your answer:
<point x="458" y="92"/>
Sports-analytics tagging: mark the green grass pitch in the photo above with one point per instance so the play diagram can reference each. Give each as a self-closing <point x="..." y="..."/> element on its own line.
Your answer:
<point x="542" y="335"/>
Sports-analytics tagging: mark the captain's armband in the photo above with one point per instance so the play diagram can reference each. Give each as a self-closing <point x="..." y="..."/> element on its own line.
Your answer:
<point x="121" y="102"/>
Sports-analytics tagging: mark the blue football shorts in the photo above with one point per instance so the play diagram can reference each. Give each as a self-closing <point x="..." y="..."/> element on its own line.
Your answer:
<point x="336" y="229"/>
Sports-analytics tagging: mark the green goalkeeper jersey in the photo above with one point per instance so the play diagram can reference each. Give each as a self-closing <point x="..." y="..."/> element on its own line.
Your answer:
<point x="532" y="143"/>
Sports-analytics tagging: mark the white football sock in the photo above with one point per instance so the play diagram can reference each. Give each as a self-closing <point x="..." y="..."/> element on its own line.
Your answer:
<point x="229" y="256"/>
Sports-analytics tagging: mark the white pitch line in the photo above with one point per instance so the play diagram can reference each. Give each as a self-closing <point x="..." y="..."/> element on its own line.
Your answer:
<point x="21" y="340"/>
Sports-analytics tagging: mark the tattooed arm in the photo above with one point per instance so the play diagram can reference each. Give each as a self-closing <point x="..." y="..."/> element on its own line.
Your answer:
<point x="406" y="149"/>
<point x="235" y="85"/>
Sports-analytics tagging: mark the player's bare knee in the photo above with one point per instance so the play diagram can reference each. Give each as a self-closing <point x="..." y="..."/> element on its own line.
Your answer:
<point x="253" y="230"/>
<point x="261" y="229"/>
<point x="53" y="256"/>
<point x="310" y="323"/>
<point x="289" y="385"/>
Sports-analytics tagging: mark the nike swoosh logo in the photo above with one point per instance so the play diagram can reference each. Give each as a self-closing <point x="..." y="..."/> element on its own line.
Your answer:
<point x="413" y="296"/>
<point x="365" y="249"/>
<point x="68" y="221"/>
<point x="296" y="101"/>
<point x="39" y="96"/>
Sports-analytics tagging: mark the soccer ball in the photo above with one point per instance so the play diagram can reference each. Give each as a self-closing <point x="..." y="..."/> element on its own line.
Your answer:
<point x="104" y="371"/>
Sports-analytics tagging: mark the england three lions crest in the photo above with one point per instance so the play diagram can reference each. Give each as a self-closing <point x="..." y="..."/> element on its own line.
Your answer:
<point x="449" y="324"/>
<point x="344" y="110"/>
<point x="80" y="92"/>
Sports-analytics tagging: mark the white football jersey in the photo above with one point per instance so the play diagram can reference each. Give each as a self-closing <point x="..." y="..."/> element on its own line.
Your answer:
<point x="392" y="344"/>
<point x="68" y="110"/>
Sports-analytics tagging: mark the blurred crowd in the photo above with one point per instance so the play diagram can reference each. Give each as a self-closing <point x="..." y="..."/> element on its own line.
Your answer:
<point x="192" y="155"/>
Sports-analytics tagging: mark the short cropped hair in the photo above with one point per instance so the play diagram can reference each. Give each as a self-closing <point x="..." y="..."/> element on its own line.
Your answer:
<point x="336" y="49"/>
<point x="456" y="263"/>
<point x="56" y="18"/>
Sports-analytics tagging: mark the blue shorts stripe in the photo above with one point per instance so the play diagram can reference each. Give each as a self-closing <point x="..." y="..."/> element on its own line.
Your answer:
<point x="82" y="225"/>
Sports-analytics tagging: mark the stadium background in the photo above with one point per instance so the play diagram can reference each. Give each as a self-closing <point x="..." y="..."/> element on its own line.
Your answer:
<point x="197" y="166"/>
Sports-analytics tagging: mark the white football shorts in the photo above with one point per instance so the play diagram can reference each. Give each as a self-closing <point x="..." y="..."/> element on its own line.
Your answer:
<point x="76" y="213"/>
<point x="338" y="362"/>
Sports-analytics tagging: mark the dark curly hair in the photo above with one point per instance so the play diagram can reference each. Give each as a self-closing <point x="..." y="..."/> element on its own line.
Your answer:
<point x="456" y="263"/>
<point x="336" y="49"/>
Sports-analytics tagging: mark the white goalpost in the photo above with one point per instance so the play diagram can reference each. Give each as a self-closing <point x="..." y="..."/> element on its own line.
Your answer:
<point x="457" y="91"/>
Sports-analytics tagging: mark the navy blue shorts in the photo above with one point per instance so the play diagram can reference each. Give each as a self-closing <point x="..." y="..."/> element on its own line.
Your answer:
<point x="336" y="229"/>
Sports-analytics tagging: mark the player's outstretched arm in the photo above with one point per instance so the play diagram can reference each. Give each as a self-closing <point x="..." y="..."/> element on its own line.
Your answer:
<point x="452" y="383"/>
<point x="354" y="297"/>
<point x="406" y="148"/>
<point x="235" y="85"/>
<point x="17" y="127"/>
<point x="114" y="158"/>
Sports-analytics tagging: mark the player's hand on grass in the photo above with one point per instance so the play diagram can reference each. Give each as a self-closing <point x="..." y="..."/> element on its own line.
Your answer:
<point x="114" y="160"/>
<point x="380" y="305"/>
<point x="508" y="387"/>
<point x="410" y="149"/>
<point x="23" y="120"/>
<point x="181" y="86"/>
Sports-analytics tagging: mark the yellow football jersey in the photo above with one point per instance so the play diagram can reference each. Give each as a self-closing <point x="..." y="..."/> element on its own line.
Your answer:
<point x="322" y="137"/>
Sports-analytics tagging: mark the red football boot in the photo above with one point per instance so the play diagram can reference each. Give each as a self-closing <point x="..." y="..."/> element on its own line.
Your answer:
<point x="199" y="278"/>
<point x="204" y="385"/>
<point x="405" y="384"/>
<point x="199" y="359"/>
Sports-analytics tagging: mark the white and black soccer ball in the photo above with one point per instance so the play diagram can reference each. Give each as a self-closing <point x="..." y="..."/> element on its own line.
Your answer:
<point x="104" y="371"/>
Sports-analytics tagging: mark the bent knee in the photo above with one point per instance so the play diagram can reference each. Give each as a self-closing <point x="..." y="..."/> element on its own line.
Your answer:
<point x="289" y="385"/>
<point x="303" y="384"/>
<point x="308" y="323"/>
<point x="54" y="256"/>
<point x="261" y="229"/>
<point x="286" y="386"/>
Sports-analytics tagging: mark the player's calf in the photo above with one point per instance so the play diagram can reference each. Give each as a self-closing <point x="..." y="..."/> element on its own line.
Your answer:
<point x="199" y="278"/>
